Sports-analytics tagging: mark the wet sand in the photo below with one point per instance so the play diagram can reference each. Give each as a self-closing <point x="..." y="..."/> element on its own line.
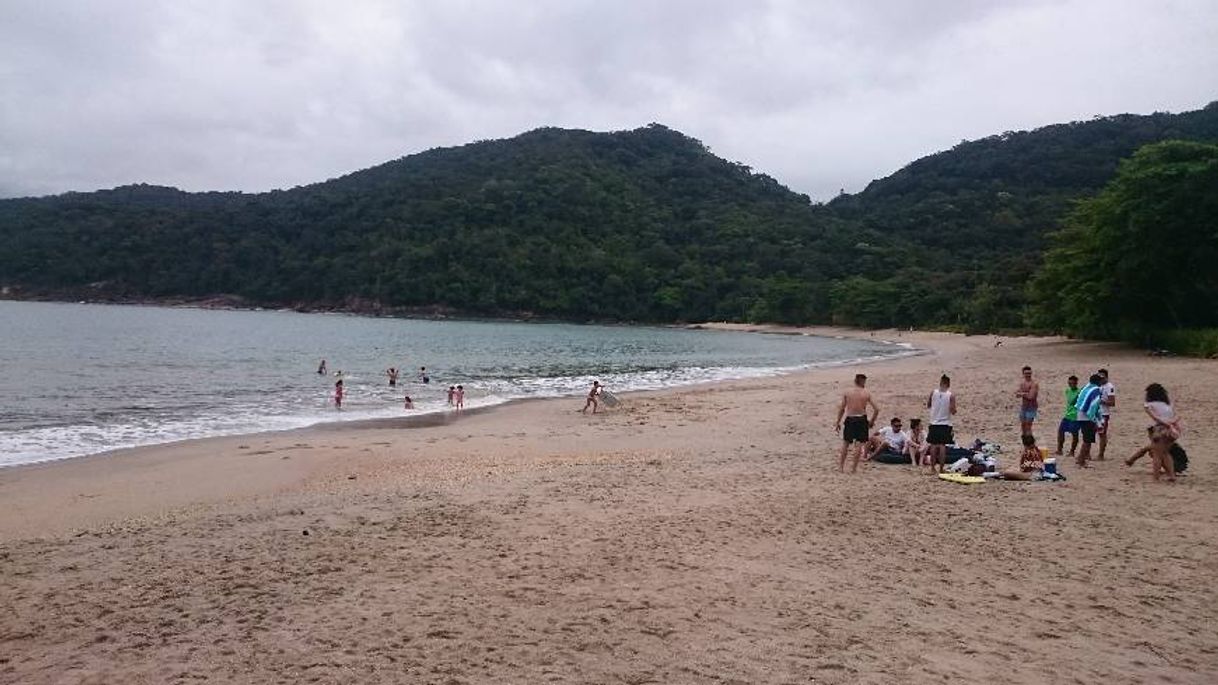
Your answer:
<point x="691" y="536"/>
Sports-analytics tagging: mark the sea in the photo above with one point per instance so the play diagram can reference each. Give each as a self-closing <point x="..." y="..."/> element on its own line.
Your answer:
<point x="81" y="379"/>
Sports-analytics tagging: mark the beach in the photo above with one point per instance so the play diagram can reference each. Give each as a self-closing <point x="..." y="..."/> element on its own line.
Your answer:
<point x="697" y="535"/>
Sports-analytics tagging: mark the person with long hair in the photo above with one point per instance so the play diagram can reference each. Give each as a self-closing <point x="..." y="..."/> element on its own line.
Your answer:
<point x="1163" y="433"/>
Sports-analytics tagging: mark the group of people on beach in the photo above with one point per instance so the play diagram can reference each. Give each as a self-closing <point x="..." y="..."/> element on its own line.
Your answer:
<point x="1087" y="413"/>
<point x="456" y="393"/>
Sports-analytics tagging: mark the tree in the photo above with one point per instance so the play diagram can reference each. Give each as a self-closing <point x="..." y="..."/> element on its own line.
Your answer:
<point x="1141" y="255"/>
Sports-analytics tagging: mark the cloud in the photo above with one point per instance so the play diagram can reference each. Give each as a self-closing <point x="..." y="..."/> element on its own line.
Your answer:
<point x="824" y="96"/>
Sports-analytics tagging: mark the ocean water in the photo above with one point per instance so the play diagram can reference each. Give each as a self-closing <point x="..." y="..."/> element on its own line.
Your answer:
<point x="80" y="379"/>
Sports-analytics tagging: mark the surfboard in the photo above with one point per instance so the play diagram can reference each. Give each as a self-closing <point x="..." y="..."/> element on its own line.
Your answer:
<point x="609" y="398"/>
<point x="961" y="478"/>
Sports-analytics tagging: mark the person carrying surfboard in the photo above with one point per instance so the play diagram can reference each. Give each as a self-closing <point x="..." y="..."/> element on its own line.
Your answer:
<point x="592" y="399"/>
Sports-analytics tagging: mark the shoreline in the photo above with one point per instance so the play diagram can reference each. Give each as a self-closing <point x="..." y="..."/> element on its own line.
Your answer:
<point x="698" y="534"/>
<point x="161" y="463"/>
<point x="441" y="416"/>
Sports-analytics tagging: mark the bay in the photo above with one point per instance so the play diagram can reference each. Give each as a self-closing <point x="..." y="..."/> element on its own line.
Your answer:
<point x="80" y="379"/>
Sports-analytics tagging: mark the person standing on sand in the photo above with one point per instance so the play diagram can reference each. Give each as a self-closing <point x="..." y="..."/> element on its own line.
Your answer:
<point x="1088" y="415"/>
<point x="321" y="368"/>
<point x="1069" y="422"/>
<point x="592" y="400"/>
<point x="942" y="405"/>
<point x="393" y="376"/>
<point x="1028" y="394"/>
<point x="1107" y="403"/>
<point x="854" y="433"/>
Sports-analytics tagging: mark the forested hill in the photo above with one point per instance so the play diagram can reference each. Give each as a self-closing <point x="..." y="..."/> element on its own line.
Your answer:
<point x="979" y="214"/>
<point x="643" y="225"/>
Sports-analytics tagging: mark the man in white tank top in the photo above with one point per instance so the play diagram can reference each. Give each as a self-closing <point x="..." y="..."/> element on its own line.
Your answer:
<point x="942" y="405"/>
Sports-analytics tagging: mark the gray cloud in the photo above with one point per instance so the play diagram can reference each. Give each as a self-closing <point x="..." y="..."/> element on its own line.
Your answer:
<point x="227" y="94"/>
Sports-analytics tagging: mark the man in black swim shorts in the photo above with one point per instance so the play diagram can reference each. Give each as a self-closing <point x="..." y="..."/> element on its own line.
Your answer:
<point x="858" y="427"/>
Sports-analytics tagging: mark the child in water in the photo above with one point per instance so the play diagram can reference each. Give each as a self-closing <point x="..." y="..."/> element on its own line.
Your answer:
<point x="338" y="394"/>
<point x="452" y="393"/>
<point x="408" y="404"/>
<point x="459" y="397"/>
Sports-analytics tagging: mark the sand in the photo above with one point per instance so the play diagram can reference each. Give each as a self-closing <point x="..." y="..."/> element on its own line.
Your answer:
<point x="694" y="536"/>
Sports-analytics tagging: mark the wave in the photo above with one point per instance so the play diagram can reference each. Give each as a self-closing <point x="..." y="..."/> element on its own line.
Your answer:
<point x="120" y="430"/>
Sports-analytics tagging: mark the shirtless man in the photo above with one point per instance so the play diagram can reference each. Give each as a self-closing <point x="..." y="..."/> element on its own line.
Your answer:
<point x="1028" y="392"/>
<point x="858" y="427"/>
<point x="592" y="400"/>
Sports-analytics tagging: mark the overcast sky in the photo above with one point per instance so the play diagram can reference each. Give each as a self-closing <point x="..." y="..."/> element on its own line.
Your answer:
<point x="821" y="94"/>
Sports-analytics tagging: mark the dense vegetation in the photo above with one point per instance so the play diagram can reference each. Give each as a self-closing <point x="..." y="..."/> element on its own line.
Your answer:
<point x="980" y="213"/>
<point x="643" y="225"/>
<point x="1138" y="259"/>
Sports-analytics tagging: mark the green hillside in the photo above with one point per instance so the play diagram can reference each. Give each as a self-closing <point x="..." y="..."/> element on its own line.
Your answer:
<point x="979" y="213"/>
<point x="643" y="225"/>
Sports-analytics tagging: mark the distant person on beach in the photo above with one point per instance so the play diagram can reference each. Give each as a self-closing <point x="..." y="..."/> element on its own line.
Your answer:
<point x="592" y="400"/>
<point x="459" y="397"/>
<point x="338" y="394"/>
<point x="890" y="438"/>
<point x="1107" y="404"/>
<point x="1087" y="409"/>
<point x="408" y="403"/>
<point x="1069" y="422"/>
<point x="321" y="368"/>
<point x="1028" y="394"/>
<point x="915" y="448"/>
<point x="854" y="432"/>
<point x="1031" y="461"/>
<point x="942" y="405"/>
<point x="393" y="376"/>
<point x="423" y="377"/>
<point x="452" y="392"/>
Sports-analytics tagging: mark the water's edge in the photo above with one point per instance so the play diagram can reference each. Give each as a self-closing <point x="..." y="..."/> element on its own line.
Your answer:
<point x="444" y="416"/>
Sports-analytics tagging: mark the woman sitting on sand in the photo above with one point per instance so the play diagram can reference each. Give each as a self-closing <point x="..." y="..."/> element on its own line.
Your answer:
<point x="1163" y="433"/>
<point x="915" y="446"/>
<point x="1031" y="463"/>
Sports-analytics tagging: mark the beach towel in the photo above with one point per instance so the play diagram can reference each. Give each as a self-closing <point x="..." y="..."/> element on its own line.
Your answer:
<point x="1088" y="403"/>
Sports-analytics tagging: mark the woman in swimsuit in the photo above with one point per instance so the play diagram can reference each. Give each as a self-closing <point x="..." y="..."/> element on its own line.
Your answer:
<point x="1031" y="463"/>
